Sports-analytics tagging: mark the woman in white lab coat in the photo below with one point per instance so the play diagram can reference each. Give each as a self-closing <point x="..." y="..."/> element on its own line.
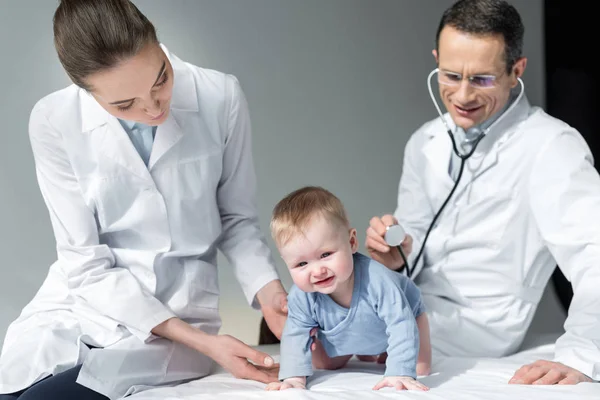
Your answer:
<point x="145" y="166"/>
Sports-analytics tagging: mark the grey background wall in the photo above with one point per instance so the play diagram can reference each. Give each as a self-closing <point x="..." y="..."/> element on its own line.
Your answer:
<point x="335" y="89"/>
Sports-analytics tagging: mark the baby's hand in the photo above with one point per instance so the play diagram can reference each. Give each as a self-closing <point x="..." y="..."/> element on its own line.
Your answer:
<point x="289" y="383"/>
<point x="400" y="383"/>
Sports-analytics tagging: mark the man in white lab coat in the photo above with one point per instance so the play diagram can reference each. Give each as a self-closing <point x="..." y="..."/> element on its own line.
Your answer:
<point x="527" y="200"/>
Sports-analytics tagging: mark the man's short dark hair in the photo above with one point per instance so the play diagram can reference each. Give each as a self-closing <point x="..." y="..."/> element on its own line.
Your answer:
<point x="487" y="17"/>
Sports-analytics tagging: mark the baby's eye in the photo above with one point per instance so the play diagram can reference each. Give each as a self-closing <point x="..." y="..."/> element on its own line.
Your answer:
<point x="301" y="264"/>
<point x="325" y="255"/>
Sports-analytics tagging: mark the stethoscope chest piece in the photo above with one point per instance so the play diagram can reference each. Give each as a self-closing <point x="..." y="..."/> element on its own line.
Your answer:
<point x="394" y="235"/>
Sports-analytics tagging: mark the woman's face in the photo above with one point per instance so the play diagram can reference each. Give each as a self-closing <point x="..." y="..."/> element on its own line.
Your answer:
<point x="138" y="89"/>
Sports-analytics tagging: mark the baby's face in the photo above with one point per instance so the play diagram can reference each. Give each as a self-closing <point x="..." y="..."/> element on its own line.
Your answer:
<point x="320" y="260"/>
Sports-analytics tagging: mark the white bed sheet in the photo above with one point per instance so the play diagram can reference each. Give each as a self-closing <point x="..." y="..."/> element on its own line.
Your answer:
<point x="451" y="378"/>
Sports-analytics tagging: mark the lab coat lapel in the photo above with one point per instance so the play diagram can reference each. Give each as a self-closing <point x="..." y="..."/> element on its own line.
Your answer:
<point x="109" y="138"/>
<point x="183" y="102"/>
<point x="167" y="135"/>
<point x="487" y="153"/>
<point x="479" y="163"/>
<point x="437" y="152"/>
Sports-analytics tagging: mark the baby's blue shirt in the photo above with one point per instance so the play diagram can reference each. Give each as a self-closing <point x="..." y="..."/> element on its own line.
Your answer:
<point x="381" y="318"/>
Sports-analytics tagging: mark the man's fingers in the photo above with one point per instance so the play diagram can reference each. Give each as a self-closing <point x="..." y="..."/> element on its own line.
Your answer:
<point x="407" y="244"/>
<point x="543" y="372"/>
<point x="553" y="376"/>
<point x="378" y="226"/>
<point x="519" y="374"/>
<point x="376" y="241"/>
<point x="388" y="220"/>
<point x="569" y="380"/>
<point x="533" y="375"/>
<point x="400" y="386"/>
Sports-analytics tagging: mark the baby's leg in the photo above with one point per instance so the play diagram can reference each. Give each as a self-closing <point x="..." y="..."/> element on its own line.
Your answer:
<point x="321" y="360"/>
<point x="339" y="362"/>
<point x="424" y="360"/>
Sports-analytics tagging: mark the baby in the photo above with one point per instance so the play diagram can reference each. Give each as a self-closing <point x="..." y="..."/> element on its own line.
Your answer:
<point x="359" y="305"/>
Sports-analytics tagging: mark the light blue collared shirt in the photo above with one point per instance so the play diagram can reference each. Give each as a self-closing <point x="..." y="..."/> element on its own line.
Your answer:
<point x="142" y="137"/>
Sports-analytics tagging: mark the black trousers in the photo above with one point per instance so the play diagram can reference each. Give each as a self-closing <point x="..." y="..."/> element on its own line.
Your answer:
<point x="57" y="387"/>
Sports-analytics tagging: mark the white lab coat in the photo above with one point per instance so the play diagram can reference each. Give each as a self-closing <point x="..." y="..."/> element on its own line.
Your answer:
<point x="137" y="245"/>
<point x="529" y="199"/>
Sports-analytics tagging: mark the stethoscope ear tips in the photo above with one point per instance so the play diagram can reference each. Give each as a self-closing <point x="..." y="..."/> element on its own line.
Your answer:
<point x="394" y="235"/>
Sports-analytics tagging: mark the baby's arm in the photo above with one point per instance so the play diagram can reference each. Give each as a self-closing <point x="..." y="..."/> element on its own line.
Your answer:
<point x="415" y="301"/>
<point x="424" y="359"/>
<point x="403" y="341"/>
<point x="296" y="358"/>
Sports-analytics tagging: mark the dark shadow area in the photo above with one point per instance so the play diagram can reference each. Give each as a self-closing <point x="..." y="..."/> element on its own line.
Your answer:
<point x="265" y="336"/>
<point x="572" y="82"/>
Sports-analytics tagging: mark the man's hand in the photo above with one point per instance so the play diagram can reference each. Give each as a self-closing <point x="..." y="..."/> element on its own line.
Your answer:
<point x="377" y="247"/>
<point x="273" y="304"/>
<point x="544" y="372"/>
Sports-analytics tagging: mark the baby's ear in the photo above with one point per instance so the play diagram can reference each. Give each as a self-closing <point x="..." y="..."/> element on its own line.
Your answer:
<point x="353" y="240"/>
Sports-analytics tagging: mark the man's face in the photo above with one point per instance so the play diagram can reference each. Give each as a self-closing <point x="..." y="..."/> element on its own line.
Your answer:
<point x="474" y="84"/>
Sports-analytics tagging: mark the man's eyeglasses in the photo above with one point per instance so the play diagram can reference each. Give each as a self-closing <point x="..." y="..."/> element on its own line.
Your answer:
<point x="477" y="81"/>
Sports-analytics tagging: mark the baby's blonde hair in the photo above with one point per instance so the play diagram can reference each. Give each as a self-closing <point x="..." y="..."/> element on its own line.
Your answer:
<point x="295" y="211"/>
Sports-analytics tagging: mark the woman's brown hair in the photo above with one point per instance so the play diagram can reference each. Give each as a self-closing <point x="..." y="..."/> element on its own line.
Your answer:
<point x="96" y="35"/>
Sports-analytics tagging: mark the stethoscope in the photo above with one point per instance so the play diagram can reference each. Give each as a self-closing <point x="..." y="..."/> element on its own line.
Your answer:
<point x="395" y="234"/>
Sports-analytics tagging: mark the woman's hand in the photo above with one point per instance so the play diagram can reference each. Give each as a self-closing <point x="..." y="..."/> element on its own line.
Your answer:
<point x="273" y="304"/>
<point x="242" y="361"/>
